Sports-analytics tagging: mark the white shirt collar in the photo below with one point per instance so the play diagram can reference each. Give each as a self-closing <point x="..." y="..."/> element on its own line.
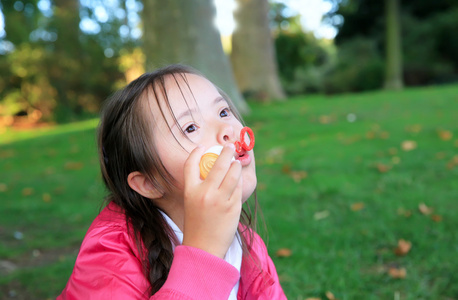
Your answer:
<point x="233" y="255"/>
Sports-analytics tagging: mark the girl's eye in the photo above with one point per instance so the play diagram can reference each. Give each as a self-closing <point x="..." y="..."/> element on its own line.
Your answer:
<point x="191" y="128"/>
<point x="224" y="113"/>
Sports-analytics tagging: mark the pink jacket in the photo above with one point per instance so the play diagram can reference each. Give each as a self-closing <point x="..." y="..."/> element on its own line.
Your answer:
<point x="108" y="267"/>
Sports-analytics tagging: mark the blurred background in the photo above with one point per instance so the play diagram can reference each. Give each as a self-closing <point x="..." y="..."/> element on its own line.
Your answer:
<point x="354" y="105"/>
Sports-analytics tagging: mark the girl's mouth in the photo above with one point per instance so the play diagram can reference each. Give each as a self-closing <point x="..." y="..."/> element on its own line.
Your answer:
<point x="244" y="158"/>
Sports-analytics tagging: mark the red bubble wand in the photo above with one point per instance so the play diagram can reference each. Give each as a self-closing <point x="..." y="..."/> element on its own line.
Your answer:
<point x="242" y="145"/>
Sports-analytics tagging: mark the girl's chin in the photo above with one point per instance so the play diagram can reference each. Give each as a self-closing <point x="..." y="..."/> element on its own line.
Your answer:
<point x="247" y="192"/>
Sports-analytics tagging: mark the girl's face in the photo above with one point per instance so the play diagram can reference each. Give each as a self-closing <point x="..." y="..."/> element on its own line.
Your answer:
<point x="204" y="117"/>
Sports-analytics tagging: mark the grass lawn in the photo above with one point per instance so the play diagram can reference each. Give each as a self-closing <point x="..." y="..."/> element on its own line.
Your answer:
<point x="341" y="180"/>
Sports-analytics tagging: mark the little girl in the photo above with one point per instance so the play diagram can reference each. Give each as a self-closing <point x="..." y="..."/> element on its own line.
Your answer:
<point x="166" y="233"/>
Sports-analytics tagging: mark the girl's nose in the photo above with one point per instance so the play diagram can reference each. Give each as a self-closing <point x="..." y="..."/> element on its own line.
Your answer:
<point x="226" y="134"/>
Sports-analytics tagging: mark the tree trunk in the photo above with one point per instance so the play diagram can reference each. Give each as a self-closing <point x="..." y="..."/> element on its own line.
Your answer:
<point x="183" y="31"/>
<point x="393" y="79"/>
<point x="253" y="52"/>
<point x="66" y="69"/>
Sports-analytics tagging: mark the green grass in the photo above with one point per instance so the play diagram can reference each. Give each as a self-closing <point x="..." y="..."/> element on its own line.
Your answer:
<point x="51" y="190"/>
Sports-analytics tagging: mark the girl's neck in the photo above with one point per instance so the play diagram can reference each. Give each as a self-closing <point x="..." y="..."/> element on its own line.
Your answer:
<point x="173" y="208"/>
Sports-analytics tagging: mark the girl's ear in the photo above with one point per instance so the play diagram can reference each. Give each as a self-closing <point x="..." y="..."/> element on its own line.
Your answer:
<point x="142" y="185"/>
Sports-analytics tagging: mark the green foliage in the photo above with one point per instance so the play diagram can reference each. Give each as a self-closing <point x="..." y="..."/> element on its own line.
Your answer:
<point x="439" y="46"/>
<point x="334" y="247"/>
<point x="303" y="61"/>
<point x="27" y="88"/>
<point x="55" y="71"/>
<point x="359" y="68"/>
<point x="428" y="36"/>
<point x="37" y="78"/>
<point x="281" y="19"/>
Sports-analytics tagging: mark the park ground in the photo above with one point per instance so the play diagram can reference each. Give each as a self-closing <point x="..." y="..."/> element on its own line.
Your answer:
<point x="358" y="193"/>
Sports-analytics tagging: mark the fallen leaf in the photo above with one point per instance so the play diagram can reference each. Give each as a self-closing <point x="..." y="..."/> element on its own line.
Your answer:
<point x="50" y="171"/>
<point x="298" y="175"/>
<point x="357" y="206"/>
<point x="384" y="135"/>
<point x="453" y="162"/>
<point x="445" y="135"/>
<point x="395" y="160"/>
<point x="36" y="253"/>
<point x="440" y="155"/>
<point x="51" y="152"/>
<point x="403" y="212"/>
<point x="403" y="247"/>
<point x="3" y="187"/>
<point x="397" y="273"/>
<point x="59" y="190"/>
<point x="408" y="145"/>
<point x="7" y="153"/>
<point x="46" y="197"/>
<point x="370" y="135"/>
<point x="283" y="252"/>
<point x="261" y="186"/>
<point x="436" y="218"/>
<point x="325" y="119"/>
<point x="286" y="169"/>
<point x="382" y="168"/>
<point x="380" y="153"/>
<point x="27" y="191"/>
<point x="330" y="296"/>
<point x="425" y="209"/>
<point x="275" y="155"/>
<point x="71" y="165"/>
<point x="74" y="149"/>
<point x="319" y="215"/>
<point x="416" y="128"/>
<point x="270" y="160"/>
<point x="393" y="151"/>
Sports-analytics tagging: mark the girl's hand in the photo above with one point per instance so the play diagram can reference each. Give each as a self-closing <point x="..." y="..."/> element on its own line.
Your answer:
<point x="212" y="207"/>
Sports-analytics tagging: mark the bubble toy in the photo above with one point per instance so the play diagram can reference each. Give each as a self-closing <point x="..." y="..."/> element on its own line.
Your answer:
<point x="208" y="159"/>
<point x="242" y="145"/>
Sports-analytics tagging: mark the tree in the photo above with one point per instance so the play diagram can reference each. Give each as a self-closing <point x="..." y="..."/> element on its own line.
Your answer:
<point x="253" y="52"/>
<point x="21" y="18"/>
<point x="53" y="71"/>
<point x="67" y="49"/>
<point x="183" y="31"/>
<point x="393" y="79"/>
<point x="429" y="42"/>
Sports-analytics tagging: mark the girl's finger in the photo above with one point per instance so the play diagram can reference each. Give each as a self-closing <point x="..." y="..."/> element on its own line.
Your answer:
<point x="191" y="167"/>
<point x="236" y="197"/>
<point x="232" y="179"/>
<point x="221" y="166"/>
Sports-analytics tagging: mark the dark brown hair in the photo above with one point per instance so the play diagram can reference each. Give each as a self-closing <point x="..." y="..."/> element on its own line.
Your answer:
<point x="126" y="145"/>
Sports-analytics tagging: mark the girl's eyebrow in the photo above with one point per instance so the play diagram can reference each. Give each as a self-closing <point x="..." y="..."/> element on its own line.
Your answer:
<point x="189" y="112"/>
<point x="219" y="99"/>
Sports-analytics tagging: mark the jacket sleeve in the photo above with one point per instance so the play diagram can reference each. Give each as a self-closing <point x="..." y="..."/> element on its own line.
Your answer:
<point x="108" y="267"/>
<point x="196" y="274"/>
<point x="260" y="283"/>
<point x="275" y="291"/>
